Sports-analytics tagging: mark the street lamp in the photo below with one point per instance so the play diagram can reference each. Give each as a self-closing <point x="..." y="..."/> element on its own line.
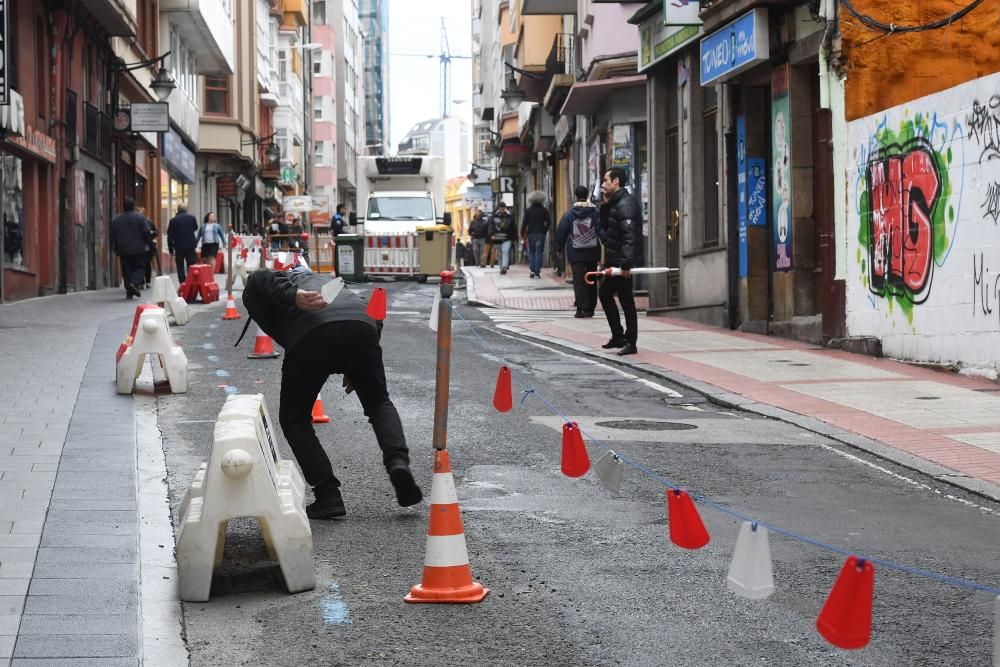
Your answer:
<point x="162" y="85"/>
<point x="512" y="95"/>
<point x="272" y="152"/>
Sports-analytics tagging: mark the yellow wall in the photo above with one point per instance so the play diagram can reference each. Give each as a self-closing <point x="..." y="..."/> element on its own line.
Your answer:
<point x="897" y="68"/>
<point x="454" y="203"/>
<point x="535" y="41"/>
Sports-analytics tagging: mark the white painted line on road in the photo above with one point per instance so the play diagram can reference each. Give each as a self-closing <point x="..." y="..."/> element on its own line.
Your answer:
<point x="403" y="312"/>
<point x="593" y="362"/>
<point x="161" y="633"/>
<point x="907" y="480"/>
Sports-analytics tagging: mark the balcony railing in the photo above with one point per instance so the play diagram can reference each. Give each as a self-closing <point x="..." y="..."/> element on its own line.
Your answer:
<point x="561" y="58"/>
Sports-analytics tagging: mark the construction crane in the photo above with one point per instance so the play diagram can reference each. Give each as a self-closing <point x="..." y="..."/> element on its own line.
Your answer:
<point x="445" y="58"/>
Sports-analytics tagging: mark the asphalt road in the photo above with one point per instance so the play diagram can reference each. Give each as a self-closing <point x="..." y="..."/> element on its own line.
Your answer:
<point x="578" y="577"/>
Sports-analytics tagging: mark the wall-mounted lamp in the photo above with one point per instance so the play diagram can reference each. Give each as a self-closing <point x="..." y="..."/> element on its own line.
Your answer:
<point x="272" y="152"/>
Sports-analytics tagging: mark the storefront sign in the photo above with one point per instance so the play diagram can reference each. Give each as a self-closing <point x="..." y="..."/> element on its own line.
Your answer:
<point x="657" y="41"/>
<point x="4" y="81"/>
<point x="37" y="143"/>
<point x="177" y="158"/>
<point x="149" y="117"/>
<point x="757" y="192"/>
<point x="259" y="188"/>
<point x="563" y="128"/>
<point x="298" y="204"/>
<point x="288" y="176"/>
<point x="681" y="12"/>
<point x="741" y="190"/>
<point x="12" y="114"/>
<point x="734" y="48"/>
<point x="621" y="151"/>
<point x="781" y="192"/>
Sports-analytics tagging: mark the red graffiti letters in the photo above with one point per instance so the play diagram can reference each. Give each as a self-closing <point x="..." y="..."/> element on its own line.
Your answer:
<point x="903" y="186"/>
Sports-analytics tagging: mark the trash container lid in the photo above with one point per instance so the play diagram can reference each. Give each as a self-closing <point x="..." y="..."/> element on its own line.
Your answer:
<point x="433" y="228"/>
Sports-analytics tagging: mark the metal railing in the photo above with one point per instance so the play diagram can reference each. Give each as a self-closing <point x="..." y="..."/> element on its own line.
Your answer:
<point x="561" y="57"/>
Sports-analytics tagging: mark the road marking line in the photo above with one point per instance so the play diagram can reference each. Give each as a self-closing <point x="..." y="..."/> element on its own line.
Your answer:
<point x="593" y="362"/>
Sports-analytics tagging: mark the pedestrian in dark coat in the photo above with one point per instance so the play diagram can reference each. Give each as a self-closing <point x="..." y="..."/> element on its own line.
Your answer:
<point x="320" y="340"/>
<point x="623" y="249"/>
<point x="578" y="232"/>
<point x="533" y="231"/>
<point x="182" y="238"/>
<point x="130" y="239"/>
<point x="503" y="231"/>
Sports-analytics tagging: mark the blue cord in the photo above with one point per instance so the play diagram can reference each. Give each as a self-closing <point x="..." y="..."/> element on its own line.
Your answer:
<point x="890" y="565"/>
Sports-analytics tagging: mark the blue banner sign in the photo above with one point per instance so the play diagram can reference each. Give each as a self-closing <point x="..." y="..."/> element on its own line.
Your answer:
<point x="178" y="158"/>
<point x="741" y="189"/>
<point x="734" y="48"/>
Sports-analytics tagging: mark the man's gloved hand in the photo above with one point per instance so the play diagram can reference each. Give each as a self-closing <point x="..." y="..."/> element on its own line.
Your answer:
<point x="348" y="387"/>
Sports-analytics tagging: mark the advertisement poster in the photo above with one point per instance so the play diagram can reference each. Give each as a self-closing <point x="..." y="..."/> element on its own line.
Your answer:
<point x="757" y="192"/>
<point x="781" y="191"/>
<point x="741" y="190"/>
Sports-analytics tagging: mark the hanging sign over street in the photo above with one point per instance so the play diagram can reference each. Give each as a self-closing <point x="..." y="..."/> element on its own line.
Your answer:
<point x="734" y="48"/>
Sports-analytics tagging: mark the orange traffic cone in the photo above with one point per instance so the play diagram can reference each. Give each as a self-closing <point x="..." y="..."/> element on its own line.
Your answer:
<point x="319" y="417"/>
<point x="263" y="346"/>
<point x="231" y="312"/>
<point x="447" y="573"/>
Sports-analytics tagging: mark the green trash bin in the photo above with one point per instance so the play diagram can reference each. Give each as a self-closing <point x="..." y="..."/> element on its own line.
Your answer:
<point x="434" y="247"/>
<point x="349" y="257"/>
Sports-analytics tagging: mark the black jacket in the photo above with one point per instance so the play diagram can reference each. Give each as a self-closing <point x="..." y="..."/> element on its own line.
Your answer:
<point x="623" y="246"/>
<point x="584" y="245"/>
<point x="130" y="234"/>
<point x="182" y="232"/>
<point x="502" y="228"/>
<point x="479" y="228"/>
<point x="269" y="298"/>
<point x="536" y="220"/>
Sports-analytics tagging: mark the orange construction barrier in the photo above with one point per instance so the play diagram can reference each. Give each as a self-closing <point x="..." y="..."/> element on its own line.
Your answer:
<point x="447" y="572"/>
<point x="231" y="312"/>
<point x="263" y="346"/>
<point x="318" y="416"/>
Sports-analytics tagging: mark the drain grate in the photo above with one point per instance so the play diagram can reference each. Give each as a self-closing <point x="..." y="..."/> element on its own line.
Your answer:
<point x="645" y="425"/>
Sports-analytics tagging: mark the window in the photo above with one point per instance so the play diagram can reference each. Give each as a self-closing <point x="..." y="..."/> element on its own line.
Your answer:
<point x="318" y="65"/>
<point x="146" y="26"/>
<point x="283" y="65"/>
<point x="85" y="84"/>
<point x="710" y="167"/>
<point x="319" y="153"/>
<point x="41" y="80"/>
<point x="217" y="95"/>
<point x="318" y="108"/>
<point x="319" y="12"/>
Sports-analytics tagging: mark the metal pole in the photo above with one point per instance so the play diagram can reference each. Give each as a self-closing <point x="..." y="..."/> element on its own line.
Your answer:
<point x="443" y="363"/>
<point x="229" y="262"/>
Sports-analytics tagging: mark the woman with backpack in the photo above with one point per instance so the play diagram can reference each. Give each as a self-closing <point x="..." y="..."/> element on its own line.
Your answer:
<point x="578" y="232"/>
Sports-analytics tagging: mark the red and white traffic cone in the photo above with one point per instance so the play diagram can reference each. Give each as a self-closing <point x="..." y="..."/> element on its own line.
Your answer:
<point x="318" y="416"/>
<point x="231" y="312"/>
<point x="263" y="346"/>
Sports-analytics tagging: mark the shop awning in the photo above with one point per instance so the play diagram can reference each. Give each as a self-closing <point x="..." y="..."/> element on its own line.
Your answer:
<point x="586" y="97"/>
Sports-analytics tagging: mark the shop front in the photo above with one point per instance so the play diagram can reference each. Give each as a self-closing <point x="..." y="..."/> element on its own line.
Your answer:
<point x="30" y="234"/>
<point x="177" y="174"/>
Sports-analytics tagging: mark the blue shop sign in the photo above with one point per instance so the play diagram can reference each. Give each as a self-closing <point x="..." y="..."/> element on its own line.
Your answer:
<point x="734" y="48"/>
<point x="177" y="158"/>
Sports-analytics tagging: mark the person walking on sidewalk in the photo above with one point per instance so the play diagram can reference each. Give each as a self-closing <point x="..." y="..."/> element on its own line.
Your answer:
<point x="211" y="236"/>
<point x="154" y="252"/>
<point x="503" y="231"/>
<point x="478" y="230"/>
<point x="578" y="233"/>
<point x="534" y="229"/>
<point x="622" y="250"/>
<point x="130" y="239"/>
<point x="322" y="339"/>
<point x="182" y="238"/>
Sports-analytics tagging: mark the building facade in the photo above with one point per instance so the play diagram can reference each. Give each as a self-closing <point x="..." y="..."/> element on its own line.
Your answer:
<point x="350" y="96"/>
<point x="374" y="17"/>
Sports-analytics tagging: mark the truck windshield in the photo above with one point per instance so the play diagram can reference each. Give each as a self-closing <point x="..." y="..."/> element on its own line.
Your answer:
<point x="400" y="208"/>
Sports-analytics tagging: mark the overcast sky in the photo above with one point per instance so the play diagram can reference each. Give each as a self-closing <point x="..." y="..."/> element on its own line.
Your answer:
<point x="414" y="95"/>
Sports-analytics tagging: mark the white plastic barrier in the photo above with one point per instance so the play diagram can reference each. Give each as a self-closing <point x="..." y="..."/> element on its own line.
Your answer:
<point x="152" y="336"/>
<point x="244" y="477"/>
<point x="165" y="294"/>
<point x="392" y="254"/>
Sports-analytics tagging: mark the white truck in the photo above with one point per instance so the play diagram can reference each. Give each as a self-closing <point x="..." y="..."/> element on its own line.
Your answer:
<point x="397" y="196"/>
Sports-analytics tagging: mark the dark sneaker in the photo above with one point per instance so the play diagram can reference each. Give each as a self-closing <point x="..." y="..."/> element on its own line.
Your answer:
<point x="579" y="314"/>
<point x="614" y="342"/>
<point x="629" y="348"/>
<point x="407" y="491"/>
<point x="328" y="506"/>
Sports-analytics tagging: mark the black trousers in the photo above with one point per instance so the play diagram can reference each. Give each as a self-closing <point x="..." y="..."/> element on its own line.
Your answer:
<point x="586" y="295"/>
<point x="351" y="349"/>
<point x="622" y="288"/>
<point x="133" y="269"/>
<point x="185" y="258"/>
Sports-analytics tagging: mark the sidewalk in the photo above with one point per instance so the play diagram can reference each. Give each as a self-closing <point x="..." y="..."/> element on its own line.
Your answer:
<point x="486" y="287"/>
<point x="934" y="421"/>
<point x="71" y="530"/>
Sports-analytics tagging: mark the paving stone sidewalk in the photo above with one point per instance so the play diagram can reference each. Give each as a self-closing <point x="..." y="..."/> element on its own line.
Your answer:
<point x="935" y="421"/>
<point x="516" y="290"/>
<point x="69" y="573"/>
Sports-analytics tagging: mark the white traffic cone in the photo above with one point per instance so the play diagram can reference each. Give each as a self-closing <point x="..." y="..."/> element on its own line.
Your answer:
<point x="750" y="571"/>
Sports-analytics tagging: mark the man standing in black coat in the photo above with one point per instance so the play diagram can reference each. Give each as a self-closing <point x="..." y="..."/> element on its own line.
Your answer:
<point x="321" y="339"/>
<point x="182" y="237"/>
<point x="622" y="250"/>
<point x="131" y="239"/>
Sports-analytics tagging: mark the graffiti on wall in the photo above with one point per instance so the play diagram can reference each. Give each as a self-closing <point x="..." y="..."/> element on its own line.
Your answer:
<point x="925" y="191"/>
<point x="907" y="219"/>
